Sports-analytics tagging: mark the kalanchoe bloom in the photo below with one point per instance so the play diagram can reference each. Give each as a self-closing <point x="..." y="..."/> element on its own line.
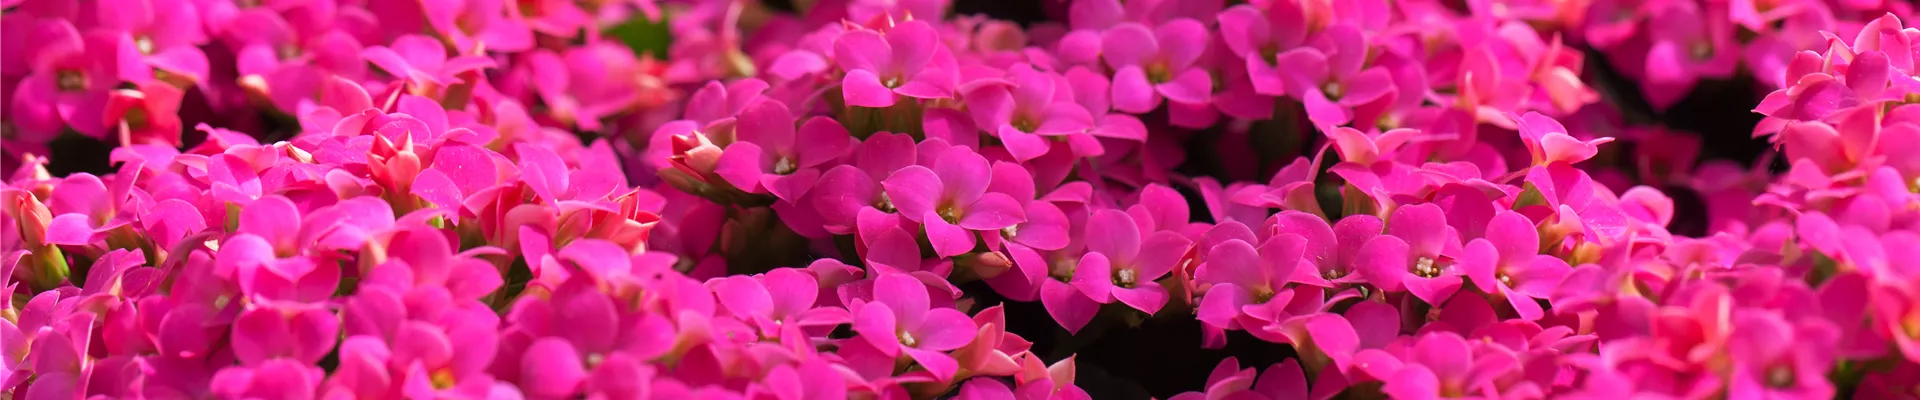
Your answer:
<point x="423" y="61"/>
<point x="1249" y="286"/>
<point x="899" y="320"/>
<point x="1284" y="380"/>
<point x="470" y="23"/>
<point x="1259" y="35"/>
<point x="952" y="201"/>
<point x="1035" y="107"/>
<point x="1763" y="368"/>
<point x="1332" y="81"/>
<point x="1548" y="142"/>
<point x="1687" y="46"/>
<point x="1507" y="262"/>
<point x="1123" y="264"/>
<point x="72" y="78"/>
<point x="771" y="156"/>
<point x="778" y="298"/>
<point x="908" y="60"/>
<point x="1413" y="255"/>
<point x="1150" y="64"/>
<point x="1443" y="364"/>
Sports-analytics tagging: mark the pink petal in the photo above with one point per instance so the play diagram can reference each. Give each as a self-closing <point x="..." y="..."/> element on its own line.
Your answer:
<point x="948" y="239"/>
<point x="863" y="89"/>
<point x="1094" y="277"/>
<point x="1132" y="92"/>
<point x="915" y="190"/>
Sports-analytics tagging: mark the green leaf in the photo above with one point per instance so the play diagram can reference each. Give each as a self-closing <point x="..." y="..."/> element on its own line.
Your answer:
<point x="643" y="36"/>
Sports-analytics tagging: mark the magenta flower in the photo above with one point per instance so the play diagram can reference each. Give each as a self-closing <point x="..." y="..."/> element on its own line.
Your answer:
<point x="1036" y="106"/>
<point x="775" y="299"/>
<point x="166" y="33"/>
<point x="1548" y="142"/>
<point x="422" y="60"/>
<point x="71" y="78"/>
<point x="1507" y="262"/>
<point x="279" y="379"/>
<point x="909" y="60"/>
<point x="468" y="23"/>
<point x="1259" y="35"/>
<point x="952" y="201"/>
<point x="1332" y="81"/>
<point x="298" y="332"/>
<point x="1152" y="63"/>
<point x="770" y="156"/>
<point x="1443" y="364"/>
<point x="1765" y="369"/>
<point x="1247" y="284"/>
<point x="899" y="320"/>
<point x="1120" y="266"/>
<point x="1285" y="380"/>
<point x="1687" y="46"/>
<point x="846" y="191"/>
<point x="1331" y="249"/>
<point x="1412" y="256"/>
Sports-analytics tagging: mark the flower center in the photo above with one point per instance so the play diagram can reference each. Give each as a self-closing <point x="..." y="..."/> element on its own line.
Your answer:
<point x="951" y="214"/>
<point x="287" y="51"/>
<point x="145" y="44"/>
<point x="1424" y="268"/>
<point x="1025" y="124"/>
<point x="1332" y="90"/>
<point x="442" y="379"/>
<point x="1506" y="279"/>
<point x="1333" y="273"/>
<point x="1124" y="277"/>
<point x="1262" y="295"/>
<point x="892" y="83"/>
<point x="1009" y="231"/>
<point x="71" y="80"/>
<point x="784" y="166"/>
<point x="1062" y="268"/>
<point x="1780" y="376"/>
<point x="884" y="204"/>
<point x="1701" y="50"/>
<point x="906" y="338"/>
<point x="1158" y="72"/>
<point x="136" y="117"/>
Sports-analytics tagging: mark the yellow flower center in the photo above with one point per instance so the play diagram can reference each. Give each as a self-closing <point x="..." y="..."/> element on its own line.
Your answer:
<point x="71" y="80"/>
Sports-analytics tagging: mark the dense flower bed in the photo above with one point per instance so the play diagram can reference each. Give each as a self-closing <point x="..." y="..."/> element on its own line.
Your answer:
<point x="1418" y="199"/>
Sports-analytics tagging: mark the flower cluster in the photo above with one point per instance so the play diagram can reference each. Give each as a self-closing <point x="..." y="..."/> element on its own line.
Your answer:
<point x="506" y="200"/>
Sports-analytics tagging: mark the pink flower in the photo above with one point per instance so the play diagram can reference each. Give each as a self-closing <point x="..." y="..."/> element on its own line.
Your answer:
<point x="1249" y="283"/>
<point x="1151" y="63"/>
<point x="770" y="156"/>
<point x="1548" y="142"/>
<point x="779" y="297"/>
<point x="899" y="320"/>
<point x="423" y="61"/>
<point x="72" y="78"/>
<point x="1444" y="365"/>
<point x="909" y="60"/>
<point x="1331" y="81"/>
<point x="1283" y="380"/>
<point x="847" y="190"/>
<point x="1764" y="368"/>
<point x="1507" y="262"/>
<point x="951" y="200"/>
<point x="1121" y="266"/>
<point x="1331" y="249"/>
<point x="1412" y="255"/>
<point x="1259" y="35"/>
<point x="1687" y="46"/>
<point x="1036" y="106"/>
<point x="471" y="22"/>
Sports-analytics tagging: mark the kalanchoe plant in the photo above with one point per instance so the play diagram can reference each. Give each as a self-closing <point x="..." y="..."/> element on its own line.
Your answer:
<point x="484" y="199"/>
